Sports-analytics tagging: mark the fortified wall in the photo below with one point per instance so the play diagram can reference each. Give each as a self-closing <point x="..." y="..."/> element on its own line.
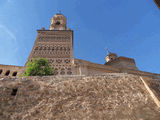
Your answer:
<point x="112" y="96"/>
<point x="56" y="44"/>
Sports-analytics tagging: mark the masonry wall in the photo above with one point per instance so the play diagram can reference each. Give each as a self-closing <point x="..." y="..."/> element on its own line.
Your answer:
<point x="114" y="96"/>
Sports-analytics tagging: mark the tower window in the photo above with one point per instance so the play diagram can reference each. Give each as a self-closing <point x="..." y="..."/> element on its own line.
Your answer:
<point x="7" y="73"/>
<point x="57" y="23"/>
<point x="14" y="74"/>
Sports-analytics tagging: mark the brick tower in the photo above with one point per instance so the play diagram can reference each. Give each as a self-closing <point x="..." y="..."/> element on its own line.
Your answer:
<point x="55" y="44"/>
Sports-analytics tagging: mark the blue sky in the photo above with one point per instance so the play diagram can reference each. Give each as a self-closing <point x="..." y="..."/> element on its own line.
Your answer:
<point x="129" y="28"/>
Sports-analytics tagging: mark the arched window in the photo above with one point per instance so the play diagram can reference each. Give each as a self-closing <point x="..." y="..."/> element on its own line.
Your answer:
<point x="1" y="71"/>
<point x="14" y="74"/>
<point x="7" y="73"/>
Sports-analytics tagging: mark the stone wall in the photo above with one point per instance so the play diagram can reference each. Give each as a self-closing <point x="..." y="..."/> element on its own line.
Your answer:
<point x="117" y="96"/>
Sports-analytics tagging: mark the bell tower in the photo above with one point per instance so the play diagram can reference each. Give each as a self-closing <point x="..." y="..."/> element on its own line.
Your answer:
<point x="55" y="44"/>
<point x="58" y="22"/>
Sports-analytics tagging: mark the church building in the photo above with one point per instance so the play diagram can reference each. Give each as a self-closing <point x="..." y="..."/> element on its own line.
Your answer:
<point x="56" y="44"/>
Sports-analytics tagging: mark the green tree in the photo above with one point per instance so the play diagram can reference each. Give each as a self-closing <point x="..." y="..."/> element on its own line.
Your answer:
<point x="38" y="67"/>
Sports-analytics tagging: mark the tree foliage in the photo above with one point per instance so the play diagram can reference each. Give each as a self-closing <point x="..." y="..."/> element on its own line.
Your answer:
<point x="38" y="67"/>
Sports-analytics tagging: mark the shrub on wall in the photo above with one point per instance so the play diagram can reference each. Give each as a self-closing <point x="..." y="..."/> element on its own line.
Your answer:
<point x="38" y="67"/>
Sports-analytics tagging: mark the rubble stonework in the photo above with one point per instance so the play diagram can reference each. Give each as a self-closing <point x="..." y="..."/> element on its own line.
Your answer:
<point x="117" y="96"/>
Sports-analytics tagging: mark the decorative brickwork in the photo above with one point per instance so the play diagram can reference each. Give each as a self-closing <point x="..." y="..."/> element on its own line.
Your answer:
<point x="56" y="45"/>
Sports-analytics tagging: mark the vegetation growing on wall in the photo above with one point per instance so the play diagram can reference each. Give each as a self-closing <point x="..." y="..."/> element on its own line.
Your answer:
<point x="38" y="67"/>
